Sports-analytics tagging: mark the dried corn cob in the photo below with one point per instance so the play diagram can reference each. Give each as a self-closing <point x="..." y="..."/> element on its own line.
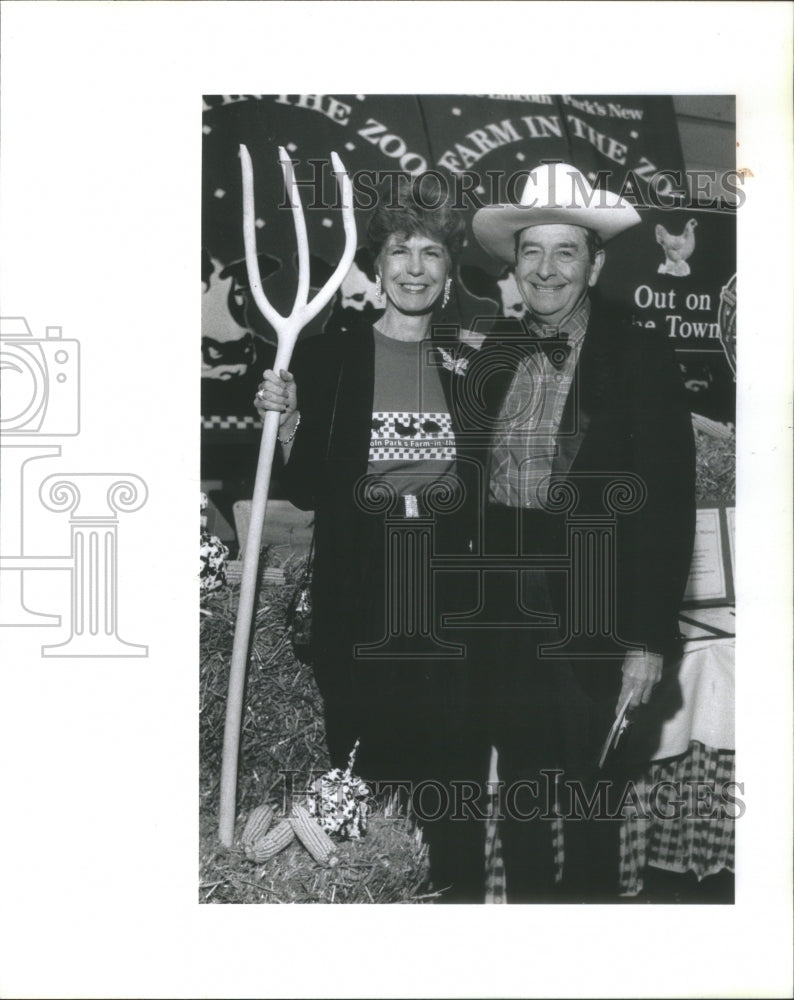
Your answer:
<point x="269" y="845"/>
<point x="313" y="837"/>
<point x="257" y="825"/>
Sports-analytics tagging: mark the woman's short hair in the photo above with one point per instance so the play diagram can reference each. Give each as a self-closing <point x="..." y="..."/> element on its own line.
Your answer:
<point x="418" y="205"/>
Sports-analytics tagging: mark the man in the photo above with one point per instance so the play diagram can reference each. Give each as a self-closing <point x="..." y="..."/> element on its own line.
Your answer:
<point x="589" y="502"/>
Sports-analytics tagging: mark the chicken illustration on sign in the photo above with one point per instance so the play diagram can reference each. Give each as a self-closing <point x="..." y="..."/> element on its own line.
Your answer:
<point x="677" y="249"/>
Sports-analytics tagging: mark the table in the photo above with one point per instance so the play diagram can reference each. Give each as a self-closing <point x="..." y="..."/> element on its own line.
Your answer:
<point x="693" y="757"/>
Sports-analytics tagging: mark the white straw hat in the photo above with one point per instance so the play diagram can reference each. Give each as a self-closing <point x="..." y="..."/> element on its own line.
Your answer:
<point x="554" y="194"/>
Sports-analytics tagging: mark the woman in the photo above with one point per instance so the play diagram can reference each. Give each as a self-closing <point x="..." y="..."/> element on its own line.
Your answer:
<point x="368" y="431"/>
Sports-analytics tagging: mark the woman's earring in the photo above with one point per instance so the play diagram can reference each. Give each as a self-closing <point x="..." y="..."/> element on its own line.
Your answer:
<point x="447" y="287"/>
<point x="378" y="288"/>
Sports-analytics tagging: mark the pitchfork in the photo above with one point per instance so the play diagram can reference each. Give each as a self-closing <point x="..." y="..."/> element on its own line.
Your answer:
<point x="287" y="330"/>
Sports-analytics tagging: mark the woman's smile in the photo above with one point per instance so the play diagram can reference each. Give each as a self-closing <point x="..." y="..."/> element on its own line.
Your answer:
<point x="413" y="270"/>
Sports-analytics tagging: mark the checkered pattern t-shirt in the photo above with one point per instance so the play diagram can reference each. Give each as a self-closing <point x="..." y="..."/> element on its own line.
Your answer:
<point x="411" y="439"/>
<point x="525" y="440"/>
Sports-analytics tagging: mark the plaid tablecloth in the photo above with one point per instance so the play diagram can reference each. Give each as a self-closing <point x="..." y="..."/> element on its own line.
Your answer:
<point x="694" y="839"/>
<point x="702" y="839"/>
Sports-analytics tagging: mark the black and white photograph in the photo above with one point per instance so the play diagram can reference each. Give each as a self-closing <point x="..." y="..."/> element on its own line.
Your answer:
<point x="480" y="418"/>
<point x="509" y="415"/>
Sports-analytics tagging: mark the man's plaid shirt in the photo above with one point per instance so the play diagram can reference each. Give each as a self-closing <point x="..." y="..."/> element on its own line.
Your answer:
<point x="525" y="441"/>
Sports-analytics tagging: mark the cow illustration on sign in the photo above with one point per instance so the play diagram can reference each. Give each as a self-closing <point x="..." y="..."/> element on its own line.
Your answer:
<point x="230" y="344"/>
<point x="502" y="289"/>
<point x="677" y="249"/>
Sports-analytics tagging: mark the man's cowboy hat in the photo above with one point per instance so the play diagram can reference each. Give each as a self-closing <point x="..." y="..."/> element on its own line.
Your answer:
<point x="554" y="194"/>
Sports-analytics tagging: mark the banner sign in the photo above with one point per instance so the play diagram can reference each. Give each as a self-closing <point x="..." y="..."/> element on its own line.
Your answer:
<point x="482" y="146"/>
<point x="676" y="273"/>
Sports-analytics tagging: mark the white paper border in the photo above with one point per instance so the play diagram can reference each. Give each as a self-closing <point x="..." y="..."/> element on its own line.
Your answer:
<point x="99" y="757"/>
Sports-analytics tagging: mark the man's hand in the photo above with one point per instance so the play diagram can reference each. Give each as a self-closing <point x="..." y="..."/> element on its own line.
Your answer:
<point x="641" y="673"/>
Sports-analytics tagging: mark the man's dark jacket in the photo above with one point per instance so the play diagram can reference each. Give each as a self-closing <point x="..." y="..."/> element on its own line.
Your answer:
<point x="625" y="420"/>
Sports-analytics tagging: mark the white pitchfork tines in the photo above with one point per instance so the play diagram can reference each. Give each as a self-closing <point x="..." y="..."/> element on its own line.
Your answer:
<point x="287" y="330"/>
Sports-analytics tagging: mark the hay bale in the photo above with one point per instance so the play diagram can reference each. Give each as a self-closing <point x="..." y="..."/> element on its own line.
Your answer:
<point x="282" y="733"/>
<point x="389" y="865"/>
<point x="715" y="466"/>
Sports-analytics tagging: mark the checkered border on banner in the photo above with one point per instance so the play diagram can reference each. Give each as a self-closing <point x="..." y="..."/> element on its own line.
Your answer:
<point x="231" y="422"/>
